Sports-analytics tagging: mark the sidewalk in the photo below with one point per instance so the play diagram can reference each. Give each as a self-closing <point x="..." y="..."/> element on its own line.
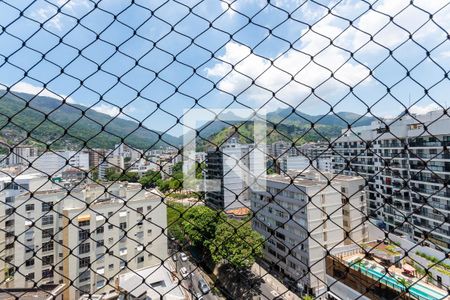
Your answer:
<point x="273" y="282"/>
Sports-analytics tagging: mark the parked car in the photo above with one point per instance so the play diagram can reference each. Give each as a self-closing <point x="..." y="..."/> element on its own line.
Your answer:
<point x="184" y="272"/>
<point x="198" y="296"/>
<point x="203" y="286"/>
<point x="183" y="256"/>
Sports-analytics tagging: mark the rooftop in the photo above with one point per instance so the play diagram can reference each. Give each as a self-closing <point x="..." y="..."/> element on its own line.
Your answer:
<point x="385" y="264"/>
<point x="310" y="177"/>
<point x="159" y="281"/>
<point x="44" y="292"/>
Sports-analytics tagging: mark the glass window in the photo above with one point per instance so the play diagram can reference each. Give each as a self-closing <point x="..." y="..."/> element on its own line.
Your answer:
<point x="47" y="246"/>
<point x="47" y="220"/>
<point x="84" y="248"/>
<point x="84" y="262"/>
<point x="47" y="206"/>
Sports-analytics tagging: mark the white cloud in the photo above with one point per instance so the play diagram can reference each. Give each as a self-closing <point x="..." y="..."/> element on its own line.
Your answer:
<point x="275" y="75"/>
<point x="25" y="87"/>
<point x="108" y="109"/>
<point x="421" y="110"/>
<point x="239" y="66"/>
<point x="445" y="54"/>
<point x="48" y="13"/>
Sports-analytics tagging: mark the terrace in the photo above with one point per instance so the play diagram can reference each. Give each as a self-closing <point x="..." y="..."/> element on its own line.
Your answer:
<point x="383" y="273"/>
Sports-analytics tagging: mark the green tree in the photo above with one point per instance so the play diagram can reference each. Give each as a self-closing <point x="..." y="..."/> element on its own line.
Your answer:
<point x="200" y="224"/>
<point x="405" y="283"/>
<point x="150" y="178"/>
<point x="236" y="243"/>
<point x="163" y="185"/>
<point x="175" y="213"/>
<point x="308" y="297"/>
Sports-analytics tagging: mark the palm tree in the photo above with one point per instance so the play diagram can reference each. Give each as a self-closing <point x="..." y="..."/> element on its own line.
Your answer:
<point x="403" y="282"/>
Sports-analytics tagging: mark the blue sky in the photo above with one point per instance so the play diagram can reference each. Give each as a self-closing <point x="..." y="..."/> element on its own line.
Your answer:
<point x="157" y="58"/>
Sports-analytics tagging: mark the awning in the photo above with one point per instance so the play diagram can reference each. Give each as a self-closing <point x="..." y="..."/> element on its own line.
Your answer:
<point x="83" y="218"/>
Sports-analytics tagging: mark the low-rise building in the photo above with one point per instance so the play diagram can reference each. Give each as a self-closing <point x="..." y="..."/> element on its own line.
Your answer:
<point x="303" y="217"/>
<point x="155" y="282"/>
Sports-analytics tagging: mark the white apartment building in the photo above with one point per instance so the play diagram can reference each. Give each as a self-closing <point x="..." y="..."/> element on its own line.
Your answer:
<point x="22" y="155"/>
<point x="10" y="188"/>
<point x="54" y="162"/>
<point x="127" y="153"/>
<point x="286" y="213"/>
<point x="301" y="162"/>
<point x="295" y="163"/>
<point x="88" y="235"/>
<point x="230" y="166"/>
<point x="406" y="167"/>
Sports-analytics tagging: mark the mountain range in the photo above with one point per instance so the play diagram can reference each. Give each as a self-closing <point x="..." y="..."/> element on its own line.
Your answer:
<point x="49" y="120"/>
<point x="46" y="120"/>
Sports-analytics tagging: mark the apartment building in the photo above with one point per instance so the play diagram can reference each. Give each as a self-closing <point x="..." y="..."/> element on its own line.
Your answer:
<point x="302" y="162"/>
<point x="22" y="155"/>
<point x="11" y="186"/>
<point x="230" y="166"/>
<point x="88" y="235"/>
<point x="55" y="162"/>
<point x="407" y="164"/>
<point x="300" y="220"/>
<point x="320" y="153"/>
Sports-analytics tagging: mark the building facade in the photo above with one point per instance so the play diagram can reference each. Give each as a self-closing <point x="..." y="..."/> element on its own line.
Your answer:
<point x="407" y="164"/>
<point x="293" y="220"/>
<point x="230" y="166"/>
<point x="88" y="236"/>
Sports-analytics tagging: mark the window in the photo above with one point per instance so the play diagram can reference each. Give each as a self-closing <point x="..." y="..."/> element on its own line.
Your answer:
<point x="29" y="262"/>
<point x="100" y="230"/>
<point x="47" y="220"/>
<point x="149" y="208"/>
<point x="123" y="225"/>
<point x="47" y="260"/>
<point x="84" y="248"/>
<point x="84" y="223"/>
<point x="140" y="259"/>
<point x="85" y="276"/>
<point x="83" y="234"/>
<point x="29" y="277"/>
<point x="110" y="226"/>
<point x="47" y="233"/>
<point x="140" y="210"/>
<point x="111" y="266"/>
<point x="100" y="243"/>
<point x="47" y="206"/>
<point x="29" y="207"/>
<point x="47" y="246"/>
<point x="47" y="273"/>
<point x="84" y="262"/>
<point x="110" y="214"/>
<point x="100" y="284"/>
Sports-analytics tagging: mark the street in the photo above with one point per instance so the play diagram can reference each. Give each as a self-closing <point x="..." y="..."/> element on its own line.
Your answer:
<point x="235" y="285"/>
<point x="191" y="283"/>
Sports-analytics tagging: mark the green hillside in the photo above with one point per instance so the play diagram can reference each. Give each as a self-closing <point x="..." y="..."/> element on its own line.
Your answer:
<point x="45" y="120"/>
<point x="298" y="134"/>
